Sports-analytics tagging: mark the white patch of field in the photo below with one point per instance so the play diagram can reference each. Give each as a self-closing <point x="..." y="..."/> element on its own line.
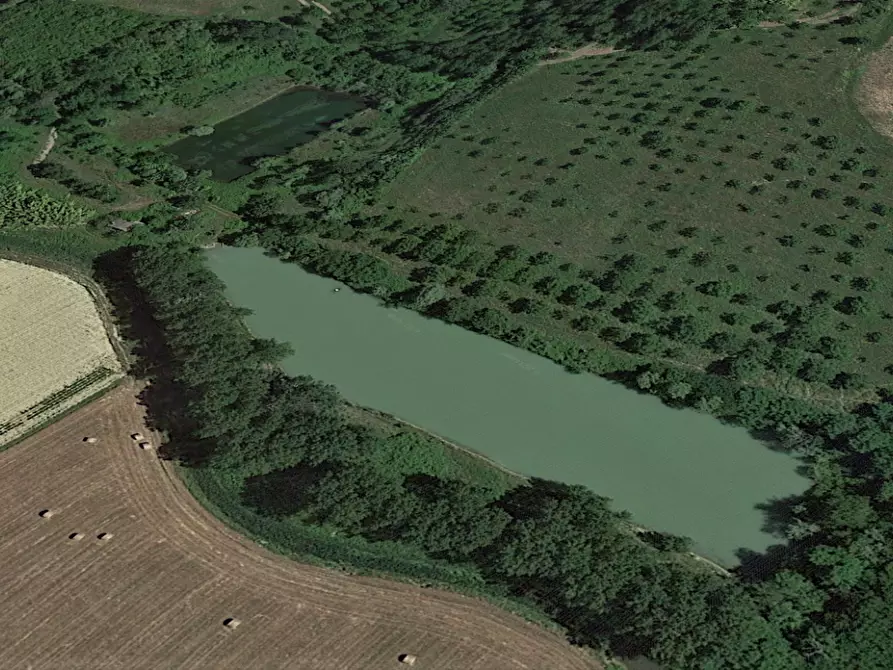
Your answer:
<point x="54" y="350"/>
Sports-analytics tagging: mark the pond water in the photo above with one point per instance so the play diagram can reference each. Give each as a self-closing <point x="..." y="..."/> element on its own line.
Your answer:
<point x="271" y="128"/>
<point x="674" y="470"/>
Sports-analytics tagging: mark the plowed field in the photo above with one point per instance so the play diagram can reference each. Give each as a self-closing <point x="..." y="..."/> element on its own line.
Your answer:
<point x="156" y="594"/>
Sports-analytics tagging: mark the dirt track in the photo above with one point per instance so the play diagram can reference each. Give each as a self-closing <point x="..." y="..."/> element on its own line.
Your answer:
<point x="564" y="56"/>
<point x="157" y="593"/>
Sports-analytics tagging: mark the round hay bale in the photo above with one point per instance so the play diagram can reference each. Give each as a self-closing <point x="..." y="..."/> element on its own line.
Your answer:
<point x="76" y="536"/>
<point x="137" y="437"/>
<point x="407" y="659"/>
<point x="104" y="536"/>
<point x="146" y="445"/>
<point x="46" y="513"/>
<point x="91" y="440"/>
<point x="231" y="623"/>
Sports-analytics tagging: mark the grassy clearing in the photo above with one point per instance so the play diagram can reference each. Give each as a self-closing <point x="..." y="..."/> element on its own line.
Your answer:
<point x="168" y="120"/>
<point x="71" y="247"/>
<point x="875" y="92"/>
<point x="737" y="175"/>
<point x="24" y="207"/>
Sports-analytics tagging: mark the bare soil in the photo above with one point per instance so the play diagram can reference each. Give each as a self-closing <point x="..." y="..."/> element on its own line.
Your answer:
<point x="822" y="19"/>
<point x="563" y="55"/>
<point x="157" y="593"/>
<point x="875" y="95"/>
<point x="47" y="147"/>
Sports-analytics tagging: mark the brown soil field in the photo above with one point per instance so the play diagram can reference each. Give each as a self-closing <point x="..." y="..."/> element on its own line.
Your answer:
<point x="157" y="593"/>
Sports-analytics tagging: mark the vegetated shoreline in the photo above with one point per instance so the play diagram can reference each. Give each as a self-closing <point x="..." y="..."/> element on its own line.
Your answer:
<point x="817" y="572"/>
<point x="484" y="460"/>
<point x="166" y="544"/>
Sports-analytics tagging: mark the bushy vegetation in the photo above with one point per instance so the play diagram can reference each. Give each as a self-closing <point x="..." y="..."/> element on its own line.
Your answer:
<point x="126" y="75"/>
<point x="703" y="206"/>
<point x="288" y="445"/>
<point x="23" y="207"/>
<point x="693" y="219"/>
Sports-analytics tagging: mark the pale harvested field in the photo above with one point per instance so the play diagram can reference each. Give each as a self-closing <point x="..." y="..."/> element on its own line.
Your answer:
<point x="156" y="594"/>
<point x="50" y="337"/>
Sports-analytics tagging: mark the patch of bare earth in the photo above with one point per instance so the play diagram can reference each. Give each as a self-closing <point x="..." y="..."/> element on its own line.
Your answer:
<point x="156" y="593"/>
<point x="827" y="17"/>
<point x="875" y="95"/>
<point x="564" y="55"/>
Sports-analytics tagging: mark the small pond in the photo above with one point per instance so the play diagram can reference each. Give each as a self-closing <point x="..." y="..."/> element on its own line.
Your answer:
<point x="271" y="128"/>
<point x="674" y="470"/>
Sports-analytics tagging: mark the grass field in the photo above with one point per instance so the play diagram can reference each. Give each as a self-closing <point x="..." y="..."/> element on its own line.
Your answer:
<point x="157" y="593"/>
<point x="56" y="349"/>
<point x="734" y="181"/>
<point x="875" y="93"/>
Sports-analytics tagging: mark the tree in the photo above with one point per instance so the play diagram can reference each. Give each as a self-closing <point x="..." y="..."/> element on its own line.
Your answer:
<point x="788" y="599"/>
<point x="199" y="131"/>
<point x="563" y="544"/>
<point x="453" y="519"/>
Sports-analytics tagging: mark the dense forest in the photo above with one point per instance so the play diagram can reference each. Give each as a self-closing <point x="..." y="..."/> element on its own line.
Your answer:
<point x="289" y="450"/>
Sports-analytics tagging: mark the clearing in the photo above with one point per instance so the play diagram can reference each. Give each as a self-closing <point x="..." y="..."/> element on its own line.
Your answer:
<point x="876" y="90"/>
<point x="158" y="592"/>
<point x="55" y="346"/>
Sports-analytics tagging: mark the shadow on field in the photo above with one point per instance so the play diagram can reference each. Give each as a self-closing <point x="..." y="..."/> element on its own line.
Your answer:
<point x="162" y="396"/>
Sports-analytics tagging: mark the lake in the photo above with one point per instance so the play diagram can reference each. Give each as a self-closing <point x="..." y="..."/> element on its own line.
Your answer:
<point x="271" y="128"/>
<point x="674" y="470"/>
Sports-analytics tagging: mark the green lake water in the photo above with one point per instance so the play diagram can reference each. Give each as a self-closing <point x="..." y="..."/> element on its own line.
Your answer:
<point x="271" y="128"/>
<point x="674" y="470"/>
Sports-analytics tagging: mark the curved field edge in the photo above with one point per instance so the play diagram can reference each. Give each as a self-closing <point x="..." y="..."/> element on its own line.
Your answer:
<point x="356" y="555"/>
<point x="214" y="495"/>
<point x="71" y="392"/>
<point x="187" y="572"/>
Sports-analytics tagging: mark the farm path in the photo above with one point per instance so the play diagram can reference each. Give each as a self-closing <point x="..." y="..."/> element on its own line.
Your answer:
<point x="822" y="19"/>
<point x="47" y="147"/>
<point x="157" y="593"/>
<point x="576" y="54"/>
<point x="601" y="50"/>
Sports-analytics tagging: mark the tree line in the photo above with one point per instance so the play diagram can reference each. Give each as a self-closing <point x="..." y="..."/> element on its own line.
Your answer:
<point x="820" y="603"/>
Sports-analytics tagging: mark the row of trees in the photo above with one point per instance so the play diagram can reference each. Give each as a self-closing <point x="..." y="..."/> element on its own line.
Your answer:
<point x="820" y="603"/>
<point x="460" y="277"/>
